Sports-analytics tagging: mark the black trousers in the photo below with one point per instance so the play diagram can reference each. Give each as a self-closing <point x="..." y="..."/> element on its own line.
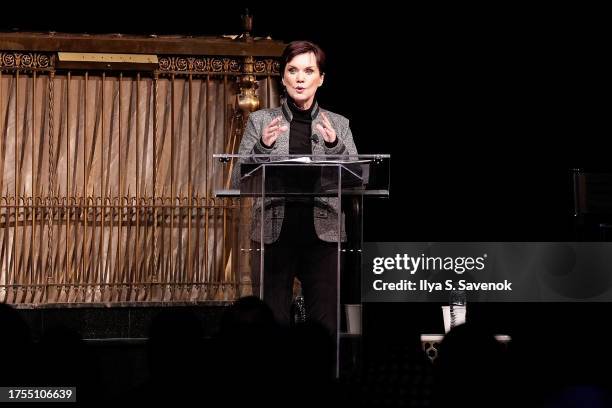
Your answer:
<point x="300" y="253"/>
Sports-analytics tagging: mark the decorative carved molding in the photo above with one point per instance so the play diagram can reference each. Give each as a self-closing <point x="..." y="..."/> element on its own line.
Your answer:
<point x="167" y="64"/>
<point x="266" y="66"/>
<point x="27" y="60"/>
<point x="213" y="65"/>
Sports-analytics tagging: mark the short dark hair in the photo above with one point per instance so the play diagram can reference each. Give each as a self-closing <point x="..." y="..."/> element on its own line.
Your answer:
<point x="296" y="48"/>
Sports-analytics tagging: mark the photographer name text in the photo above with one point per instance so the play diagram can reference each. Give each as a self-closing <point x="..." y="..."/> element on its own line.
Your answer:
<point x="423" y="285"/>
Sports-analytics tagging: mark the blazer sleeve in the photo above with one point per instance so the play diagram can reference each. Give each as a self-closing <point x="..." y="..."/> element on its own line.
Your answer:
<point x="345" y="145"/>
<point x="250" y="144"/>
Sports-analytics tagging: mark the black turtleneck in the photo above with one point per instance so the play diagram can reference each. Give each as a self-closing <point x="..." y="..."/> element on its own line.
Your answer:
<point x="300" y="130"/>
<point x="298" y="223"/>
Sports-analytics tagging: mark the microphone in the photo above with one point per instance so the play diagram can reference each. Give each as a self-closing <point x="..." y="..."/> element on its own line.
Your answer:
<point x="314" y="138"/>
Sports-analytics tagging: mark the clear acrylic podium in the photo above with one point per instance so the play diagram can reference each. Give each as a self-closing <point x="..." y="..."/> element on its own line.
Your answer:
<point x="335" y="187"/>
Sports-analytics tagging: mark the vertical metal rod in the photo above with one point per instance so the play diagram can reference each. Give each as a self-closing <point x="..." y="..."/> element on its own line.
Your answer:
<point x="206" y="183"/>
<point x="172" y="270"/>
<point x="224" y="202"/>
<point x="225" y="133"/>
<point x="189" y="193"/>
<point x="84" y="200"/>
<point x="239" y="260"/>
<point x="120" y="266"/>
<point x="66" y="201"/>
<point x="215" y="266"/>
<point x="2" y="147"/>
<point x="138" y="276"/>
<point x="164" y="275"/>
<point x="261" y="235"/>
<point x="51" y="188"/>
<point x="102" y="275"/>
<point x="1" y="131"/>
<point x="33" y="194"/>
<point x="154" y="189"/>
<point x="226" y="138"/>
<point x="1" y="126"/>
<point x="22" y="267"/>
<point x="2" y="178"/>
<point x="113" y="274"/>
<point x="197" y="278"/>
<point x="338" y="264"/>
<point x="89" y="263"/>
<point x="16" y="182"/>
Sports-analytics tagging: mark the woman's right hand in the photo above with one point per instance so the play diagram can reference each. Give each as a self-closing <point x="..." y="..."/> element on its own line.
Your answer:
<point x="271" y="132"/>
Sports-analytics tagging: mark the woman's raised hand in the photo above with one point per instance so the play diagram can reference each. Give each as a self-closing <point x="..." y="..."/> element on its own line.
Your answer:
<point x="271" y="132"/>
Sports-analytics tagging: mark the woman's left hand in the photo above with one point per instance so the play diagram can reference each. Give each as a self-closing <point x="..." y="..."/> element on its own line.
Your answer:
<point x="326" y="129"/>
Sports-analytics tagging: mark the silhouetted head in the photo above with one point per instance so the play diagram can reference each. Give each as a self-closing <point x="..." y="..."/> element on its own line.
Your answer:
<point x="15" y="341"/>
<point x="247" y="314"/>
<point x="15" y="331"/>
<point x="470" y="369"/>
<point x="175" y="345"/>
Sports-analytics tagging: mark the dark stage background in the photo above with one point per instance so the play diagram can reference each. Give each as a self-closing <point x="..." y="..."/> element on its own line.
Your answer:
<point x="484" y="112"/>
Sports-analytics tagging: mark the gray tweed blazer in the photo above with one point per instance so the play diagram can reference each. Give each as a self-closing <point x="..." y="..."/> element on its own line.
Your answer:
<point x="326" y="209"/>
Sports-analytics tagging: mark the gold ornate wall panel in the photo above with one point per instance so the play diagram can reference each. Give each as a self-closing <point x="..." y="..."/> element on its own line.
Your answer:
<point x="203" y="65"/>
<point x="106" y="180"/>
<point x="26" y="61"/>
<point x="168" y="64"/>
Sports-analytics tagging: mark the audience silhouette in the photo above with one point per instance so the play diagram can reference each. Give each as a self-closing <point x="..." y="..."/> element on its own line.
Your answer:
<point x="250" y="359"/>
